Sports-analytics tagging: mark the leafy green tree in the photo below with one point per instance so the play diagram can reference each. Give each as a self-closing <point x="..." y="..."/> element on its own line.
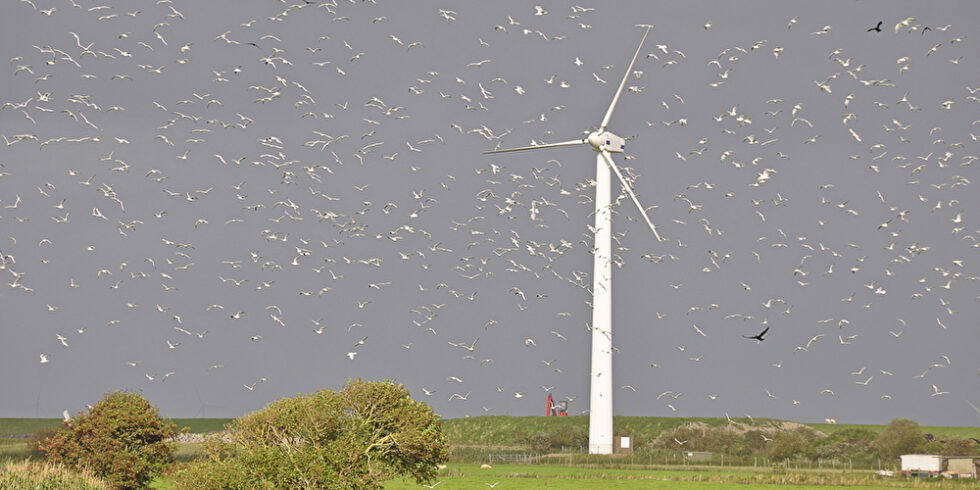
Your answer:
<point x="122" y="439"/>
<point x="720" y="440"/>
<point x="901" y="436"/>
<point x="792" y="443"/>
<point x="357" y="438"/>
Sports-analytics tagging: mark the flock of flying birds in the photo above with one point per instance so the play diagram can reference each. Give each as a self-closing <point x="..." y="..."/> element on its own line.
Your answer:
<point x="274" y="203"/>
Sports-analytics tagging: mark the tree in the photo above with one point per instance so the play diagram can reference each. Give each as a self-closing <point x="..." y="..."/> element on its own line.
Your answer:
<point x="720" y="440"/>
<point x="122" y="439"/>
<point x="356" y="438"/>
<point x="790" y="443"/>
<point x="901" y="436"/>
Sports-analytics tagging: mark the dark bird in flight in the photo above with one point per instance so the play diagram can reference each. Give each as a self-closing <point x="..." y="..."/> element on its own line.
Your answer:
<point x="760" y="337"/>
<point x="876" y="28"/>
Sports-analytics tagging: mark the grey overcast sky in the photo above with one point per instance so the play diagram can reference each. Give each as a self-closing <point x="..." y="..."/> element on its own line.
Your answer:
<point x="234" y="197"/>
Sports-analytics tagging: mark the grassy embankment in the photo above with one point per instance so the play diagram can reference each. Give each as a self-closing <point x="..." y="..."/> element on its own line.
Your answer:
<point x="482" y="435"/>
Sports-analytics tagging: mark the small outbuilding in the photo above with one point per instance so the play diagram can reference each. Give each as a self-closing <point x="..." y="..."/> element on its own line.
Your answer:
<point x="963" y="466"/>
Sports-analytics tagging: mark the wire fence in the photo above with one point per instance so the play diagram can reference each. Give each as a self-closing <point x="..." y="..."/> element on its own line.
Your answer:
<point x="668" y="458"/>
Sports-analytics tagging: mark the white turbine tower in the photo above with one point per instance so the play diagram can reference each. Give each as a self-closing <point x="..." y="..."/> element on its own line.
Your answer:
<point x="603" y="143"/>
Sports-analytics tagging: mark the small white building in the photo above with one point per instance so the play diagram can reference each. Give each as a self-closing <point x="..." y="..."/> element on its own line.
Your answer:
<point x="922" y="464"/>
<point x="963" y="466"/>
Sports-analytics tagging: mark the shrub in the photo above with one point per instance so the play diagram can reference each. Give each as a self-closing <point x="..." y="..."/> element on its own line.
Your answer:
<point x="47" y="476"/>
<point x="753" y="442"/>
<point x="539" y="443"/>
<point x="122" y="439"/>
<point x="720" y="440"/>
<point x="356" y="438"/>
<point x="792" y="443"/>
<point x="569" y="436"/>
<point x="957" y="446"/>
<point x="901" y="436"/>
<point x="848" y="443"/>
<point x="691" y="435"/>
<point x="35" y="443"/>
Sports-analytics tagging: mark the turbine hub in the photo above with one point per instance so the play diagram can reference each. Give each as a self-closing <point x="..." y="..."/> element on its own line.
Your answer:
<point x="606" y="141"/>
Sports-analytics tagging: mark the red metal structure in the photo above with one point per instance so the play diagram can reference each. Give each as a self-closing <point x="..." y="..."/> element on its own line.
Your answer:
<point x="556" y="410"/>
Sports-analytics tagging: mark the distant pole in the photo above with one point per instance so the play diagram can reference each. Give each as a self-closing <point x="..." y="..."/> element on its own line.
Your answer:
<point x="600" y="393"/>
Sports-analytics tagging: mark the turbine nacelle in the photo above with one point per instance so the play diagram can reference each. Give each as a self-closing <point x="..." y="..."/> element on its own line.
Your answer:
<point x="606" y="141"/>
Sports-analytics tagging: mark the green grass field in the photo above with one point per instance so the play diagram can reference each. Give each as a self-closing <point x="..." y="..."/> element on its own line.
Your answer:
<point x="510" y="476"/>
<point x="11" y="428"/>
<point x="562" y="477"/>
<point x="15" y="428"/>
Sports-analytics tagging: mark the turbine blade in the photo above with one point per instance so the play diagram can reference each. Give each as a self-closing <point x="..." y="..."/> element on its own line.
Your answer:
<point x="605" y="155"/>
<point x="605" y="120"/>
<point x="538" y="147"/>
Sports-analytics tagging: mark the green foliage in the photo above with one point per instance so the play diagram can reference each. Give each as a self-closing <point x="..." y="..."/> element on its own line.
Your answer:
<point x="940" y="431"/>
<point x="122" y="439"/>
<point x="35" y="443"/>
<point x="849" y="443"/>
<point x="357" y="438"/>
<point x="569" y="436"/>
<point x="901" y="436"/>
<point x="499" y="430"/>
<point x="793" y="443"/>
<point x="853" y="435"/>
<point x="753" y="442"/>
<point x="41" y="476"/>
<point x="958" y="446"/>
<point x="539" y="443"/>
<point x="720" y="440"/>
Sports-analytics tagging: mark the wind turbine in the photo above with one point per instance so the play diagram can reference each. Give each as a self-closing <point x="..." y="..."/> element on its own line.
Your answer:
<point x="601" y="390"/>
